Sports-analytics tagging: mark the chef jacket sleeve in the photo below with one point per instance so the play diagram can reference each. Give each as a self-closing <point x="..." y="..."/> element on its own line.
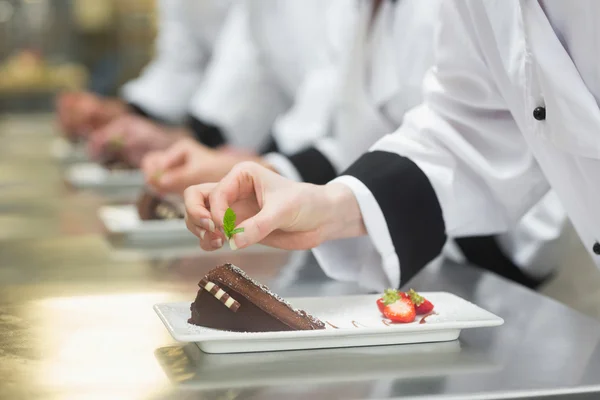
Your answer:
<point x="346" y="126"/>
<point x="457" y="166"/>
<point x="305" y="151"/>
<point x="239" y="98"/>
<point x="165" y="87"/>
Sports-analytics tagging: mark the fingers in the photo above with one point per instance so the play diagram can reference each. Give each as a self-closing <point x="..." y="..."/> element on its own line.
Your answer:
<point x="104" y="141"/>
<point x="173" y="181"/>
<point x="150" y="167"/>
<point x="198" y="218"/>
<point x="175" y="156"/>
<point x="109" y="139"/>
<point x="238" y="184"/>
<point x="255" y="229"/>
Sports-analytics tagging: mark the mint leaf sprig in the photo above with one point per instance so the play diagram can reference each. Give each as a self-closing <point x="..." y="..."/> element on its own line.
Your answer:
<point x="229" y="224"/>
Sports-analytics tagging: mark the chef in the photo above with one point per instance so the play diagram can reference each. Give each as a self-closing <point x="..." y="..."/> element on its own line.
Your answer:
<point x="187" y="33"/>
<point x="509" y="112"/>
<point x="387" y="57"/>
<point x="276" y="72"/>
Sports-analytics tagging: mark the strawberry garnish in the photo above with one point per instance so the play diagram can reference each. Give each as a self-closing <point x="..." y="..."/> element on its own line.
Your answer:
<point x="389" y="296"/>
<point x="402" y="311"/>
<point x="422" y="305"/>
<point x="380" y="304"/>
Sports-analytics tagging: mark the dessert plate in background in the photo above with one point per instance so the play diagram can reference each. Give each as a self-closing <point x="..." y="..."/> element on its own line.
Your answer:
<point x="351" y="321"/>
<point x="95" y="176"/>
<point x="125" y="220"/>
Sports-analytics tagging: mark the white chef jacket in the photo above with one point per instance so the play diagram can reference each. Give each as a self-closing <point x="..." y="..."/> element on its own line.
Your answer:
<point x="186" y="36"/>
<point x="510" y="109"/>
<point x="272" y="64"/>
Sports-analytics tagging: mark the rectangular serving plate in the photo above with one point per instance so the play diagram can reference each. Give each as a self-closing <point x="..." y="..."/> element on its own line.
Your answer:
<point x="351" y="321"/>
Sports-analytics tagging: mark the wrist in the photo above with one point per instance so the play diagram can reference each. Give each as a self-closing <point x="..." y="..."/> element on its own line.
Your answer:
<point x="343" y="218"/>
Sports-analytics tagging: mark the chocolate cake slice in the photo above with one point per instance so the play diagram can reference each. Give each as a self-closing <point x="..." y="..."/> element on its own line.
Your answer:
<point x="230" y="300"/>
<point x="114" y="159"/>
<point x="152" y="207"/>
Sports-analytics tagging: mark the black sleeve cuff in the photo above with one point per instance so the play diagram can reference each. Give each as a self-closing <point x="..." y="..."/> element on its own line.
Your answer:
<point x="409" y="204"/>
<point x="313" y="166"/>
<point x="486" y="253"/>
<point x="138" y="110"/>
<point x="269" y="147"/>
<point x="207" y="134"/>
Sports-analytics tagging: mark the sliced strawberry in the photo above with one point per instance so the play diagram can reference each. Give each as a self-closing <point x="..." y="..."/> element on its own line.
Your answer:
<point x="403" y="294"/>
<point x="389" y="296"/>
<point x="380" y="304"/>
<point x="402" y="311"/>
<point x="425" y="308"/>
<point x="422" y="305"/>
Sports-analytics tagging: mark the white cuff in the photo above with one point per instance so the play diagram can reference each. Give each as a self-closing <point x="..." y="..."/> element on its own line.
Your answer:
<point x="283" y="166"/>
<point x="371" y="261"/>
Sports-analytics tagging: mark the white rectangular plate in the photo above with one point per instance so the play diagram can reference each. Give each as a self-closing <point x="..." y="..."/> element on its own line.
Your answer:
<point x="125" y="219"/>
<point x="356" y="318"/>
<point x="91" y="175"/>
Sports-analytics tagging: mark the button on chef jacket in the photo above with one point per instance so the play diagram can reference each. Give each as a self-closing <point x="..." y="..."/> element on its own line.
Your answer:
<point x="269" y="71"/>
<point x="187" y="33"/>
<point x="476" y="155"/>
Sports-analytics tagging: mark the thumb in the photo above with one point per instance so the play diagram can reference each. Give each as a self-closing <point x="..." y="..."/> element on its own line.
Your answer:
<point x="255" y="229"/>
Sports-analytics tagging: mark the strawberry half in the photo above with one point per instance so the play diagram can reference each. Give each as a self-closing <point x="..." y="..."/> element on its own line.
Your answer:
<point x="422" y="305"/>
<point x="380" y="304"/>
<point x="402" y="311"/>
<point x="388" y="297"/>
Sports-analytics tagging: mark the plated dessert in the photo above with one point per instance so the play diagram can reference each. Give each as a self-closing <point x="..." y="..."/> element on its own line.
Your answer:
<point x="152" y="207"/>
<point x="403" y="307"/>
<point x="230" y="300"/>
<point x="114" y="158"/>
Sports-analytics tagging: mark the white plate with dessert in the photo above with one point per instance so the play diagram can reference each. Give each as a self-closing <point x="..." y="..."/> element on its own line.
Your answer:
<point x="234" y="314"/>
<point x="96" y="176"/>
<point x="152" y="219"/>
<point x="125" y="220"/>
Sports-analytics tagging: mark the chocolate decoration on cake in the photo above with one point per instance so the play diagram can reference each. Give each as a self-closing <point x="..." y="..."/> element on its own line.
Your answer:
<point x="152" y="207"/>
<point x="220" y="294"/>
<point x="260" y="310"/>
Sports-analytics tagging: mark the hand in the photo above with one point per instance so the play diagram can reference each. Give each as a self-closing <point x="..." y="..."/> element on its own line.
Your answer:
<point x="187" y="163"/>
<point x="273" y="210"/>
<point x="135" y="136"/>
<point x="80" y="112"/>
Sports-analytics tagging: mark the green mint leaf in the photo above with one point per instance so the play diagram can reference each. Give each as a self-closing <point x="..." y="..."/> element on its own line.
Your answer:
<point x="116" y="143"/>
<point x="237" y="230"/>
<point x="229" y="222"/>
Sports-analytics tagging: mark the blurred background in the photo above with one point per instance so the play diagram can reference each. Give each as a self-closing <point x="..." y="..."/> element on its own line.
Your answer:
<point x="51" y="45"/>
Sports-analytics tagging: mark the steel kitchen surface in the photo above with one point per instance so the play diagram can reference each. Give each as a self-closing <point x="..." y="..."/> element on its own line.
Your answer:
<point x="77" y="322"/>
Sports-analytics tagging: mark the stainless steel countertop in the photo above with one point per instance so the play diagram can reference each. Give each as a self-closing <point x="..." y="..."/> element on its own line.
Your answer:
<point x="76" y="318"/>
